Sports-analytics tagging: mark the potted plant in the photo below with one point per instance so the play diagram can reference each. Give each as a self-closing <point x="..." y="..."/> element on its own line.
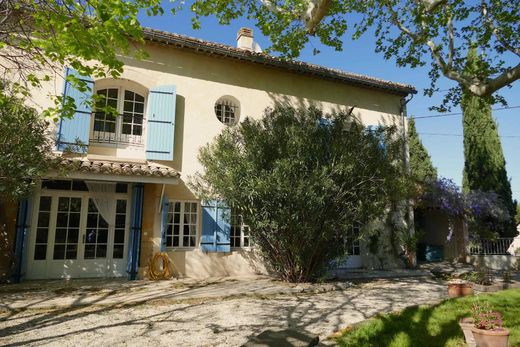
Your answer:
<point x="488" y="330"/>
<point x="466" y="289"/>
<point x="458" y="287"/>
<point x="466" y="324"/>
<point x="455" y="288"/>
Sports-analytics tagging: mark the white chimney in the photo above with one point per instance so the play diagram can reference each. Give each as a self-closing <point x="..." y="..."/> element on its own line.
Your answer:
<point x="245" y="39"/>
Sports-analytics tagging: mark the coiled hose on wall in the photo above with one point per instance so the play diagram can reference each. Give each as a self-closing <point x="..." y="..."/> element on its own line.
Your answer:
<point x="158" y="272"/>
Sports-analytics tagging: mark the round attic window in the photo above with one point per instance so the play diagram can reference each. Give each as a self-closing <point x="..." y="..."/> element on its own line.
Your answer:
<point x="227" y="110"/>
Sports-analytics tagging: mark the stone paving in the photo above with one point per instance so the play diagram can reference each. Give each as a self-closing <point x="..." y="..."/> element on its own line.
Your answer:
<point x="217" y="312"/>
<point x="100" y="292"/>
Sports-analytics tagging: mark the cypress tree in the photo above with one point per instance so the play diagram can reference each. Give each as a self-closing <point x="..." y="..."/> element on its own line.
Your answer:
<point x="421" y="165"/>
<point x="484" y="163"/>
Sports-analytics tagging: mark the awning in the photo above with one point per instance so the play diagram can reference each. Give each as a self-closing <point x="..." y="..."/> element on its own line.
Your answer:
<point x="118" y="171"/>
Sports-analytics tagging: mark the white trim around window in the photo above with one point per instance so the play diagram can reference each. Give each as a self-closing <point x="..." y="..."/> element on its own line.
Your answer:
<point x="129" y="127"/>
<point x="240" y="237"/>
<point x="182" y="229"/>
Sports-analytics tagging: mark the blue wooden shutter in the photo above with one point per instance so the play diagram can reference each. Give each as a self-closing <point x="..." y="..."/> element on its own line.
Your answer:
<point x="216" y="227"/>
<point x="325" y="122"/>
<point x="223" y="234"/>
<point x="209" y="224"/>
<point x="165" y="206"/>
<point x="22" y="229"/>
<point x="160" y="123"/>
<point x="136" y="217"/>
<point x="76" y="128"/>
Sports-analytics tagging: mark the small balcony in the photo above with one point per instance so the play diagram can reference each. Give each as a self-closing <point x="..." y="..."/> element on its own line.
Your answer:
<point x="120" y="129"/>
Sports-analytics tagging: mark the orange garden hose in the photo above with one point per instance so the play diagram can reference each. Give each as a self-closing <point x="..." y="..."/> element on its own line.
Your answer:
<point x="157" y="272"/>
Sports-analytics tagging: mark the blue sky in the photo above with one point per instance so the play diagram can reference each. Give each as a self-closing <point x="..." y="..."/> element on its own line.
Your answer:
<point x="442" y="136"/>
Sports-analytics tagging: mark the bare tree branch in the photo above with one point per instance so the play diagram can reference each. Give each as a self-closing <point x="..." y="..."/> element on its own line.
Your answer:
<point x="431" y="5"/>
<point x="496" y="32"/>
<point x="395" y="19"/>
<point x="492" y="85"/>
<point x="478" y="86"/>
<point x="316" y="10"/>
<point x="451" y="45"/>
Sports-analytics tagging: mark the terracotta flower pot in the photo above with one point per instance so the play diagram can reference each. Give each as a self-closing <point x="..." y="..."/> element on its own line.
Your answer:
<point x="491" y="338"/>
<point x="454" y="290"/>
<point x="466" y="324"/>
<point x="466" y="289"/>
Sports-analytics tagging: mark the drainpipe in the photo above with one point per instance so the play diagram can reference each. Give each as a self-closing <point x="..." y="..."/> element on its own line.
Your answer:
<point x="160" y="204"/>
<point x="406" y="155"/>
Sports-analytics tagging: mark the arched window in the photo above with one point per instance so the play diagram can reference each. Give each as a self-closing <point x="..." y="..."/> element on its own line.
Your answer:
<point x="119" y="115"/>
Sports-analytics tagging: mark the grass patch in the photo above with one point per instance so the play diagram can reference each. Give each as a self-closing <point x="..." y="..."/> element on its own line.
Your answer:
<point x="432" y="325"/>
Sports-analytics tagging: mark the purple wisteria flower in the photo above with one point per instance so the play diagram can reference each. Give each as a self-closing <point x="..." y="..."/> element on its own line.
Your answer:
<point x="484" y="212"/>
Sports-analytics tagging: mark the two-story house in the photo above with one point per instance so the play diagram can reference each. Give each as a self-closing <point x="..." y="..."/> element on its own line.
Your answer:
<point x="124" y="196"/>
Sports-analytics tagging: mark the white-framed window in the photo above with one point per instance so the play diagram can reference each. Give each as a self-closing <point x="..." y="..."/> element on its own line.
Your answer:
<point x="353" y="241"/>
<point x="240" y="232"/>
<point x="182" y="222"/>
<point x="227" y="110"/>
<point x="119" y="115"/>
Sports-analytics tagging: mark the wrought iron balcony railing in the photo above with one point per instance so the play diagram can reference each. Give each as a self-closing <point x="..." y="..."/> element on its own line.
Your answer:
<point x="124" y="129"/>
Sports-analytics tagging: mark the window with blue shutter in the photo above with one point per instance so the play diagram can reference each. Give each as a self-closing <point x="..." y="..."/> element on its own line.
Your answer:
<point x="223" y="232"/>
<point x="216" y="227"/>
<point x="76" y="129"/>
<point x="160" y="123"/>
<point x="209" y="221"/>
<point x="377" y="131"/>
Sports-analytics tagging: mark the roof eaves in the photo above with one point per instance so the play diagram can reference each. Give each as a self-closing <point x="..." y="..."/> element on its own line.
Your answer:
<point x="264" y="59"/>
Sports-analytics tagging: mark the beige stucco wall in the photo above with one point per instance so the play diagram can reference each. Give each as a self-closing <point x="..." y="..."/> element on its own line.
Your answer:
<point x="189" y="262"/>
<point x="200" y="80"/>
<point x="196" y="264"/>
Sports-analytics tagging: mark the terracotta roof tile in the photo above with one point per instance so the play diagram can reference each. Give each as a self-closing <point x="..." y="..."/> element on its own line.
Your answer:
<point x="118" y="168"/>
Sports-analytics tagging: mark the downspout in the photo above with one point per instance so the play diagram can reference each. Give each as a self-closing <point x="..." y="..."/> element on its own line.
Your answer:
<point x="406" y="156"/>
<point x="163" y="214"/>
<point x="160" y="206"/>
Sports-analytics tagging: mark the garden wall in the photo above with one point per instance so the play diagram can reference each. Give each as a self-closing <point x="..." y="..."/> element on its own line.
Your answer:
<point x="495" y="262"/>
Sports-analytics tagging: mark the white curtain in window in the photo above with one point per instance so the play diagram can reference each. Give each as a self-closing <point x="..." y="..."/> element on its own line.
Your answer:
<point x="102" y="193"/>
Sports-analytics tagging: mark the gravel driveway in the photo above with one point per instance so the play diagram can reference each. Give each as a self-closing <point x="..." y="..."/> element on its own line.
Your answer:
<point x="192" y="318"/>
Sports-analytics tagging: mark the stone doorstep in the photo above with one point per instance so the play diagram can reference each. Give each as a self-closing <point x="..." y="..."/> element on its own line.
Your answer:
<point x="283" y="338"/>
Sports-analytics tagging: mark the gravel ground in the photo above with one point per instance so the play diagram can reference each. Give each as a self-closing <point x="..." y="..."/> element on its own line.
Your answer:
<point x="212" y="321"/>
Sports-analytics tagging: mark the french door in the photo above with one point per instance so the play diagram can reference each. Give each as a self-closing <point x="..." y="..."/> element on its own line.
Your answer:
<point x="353" y="259"/>
<point x="71" y="238"/>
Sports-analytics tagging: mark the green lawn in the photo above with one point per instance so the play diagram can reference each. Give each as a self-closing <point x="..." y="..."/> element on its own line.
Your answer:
<point x="432" y="325"/>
